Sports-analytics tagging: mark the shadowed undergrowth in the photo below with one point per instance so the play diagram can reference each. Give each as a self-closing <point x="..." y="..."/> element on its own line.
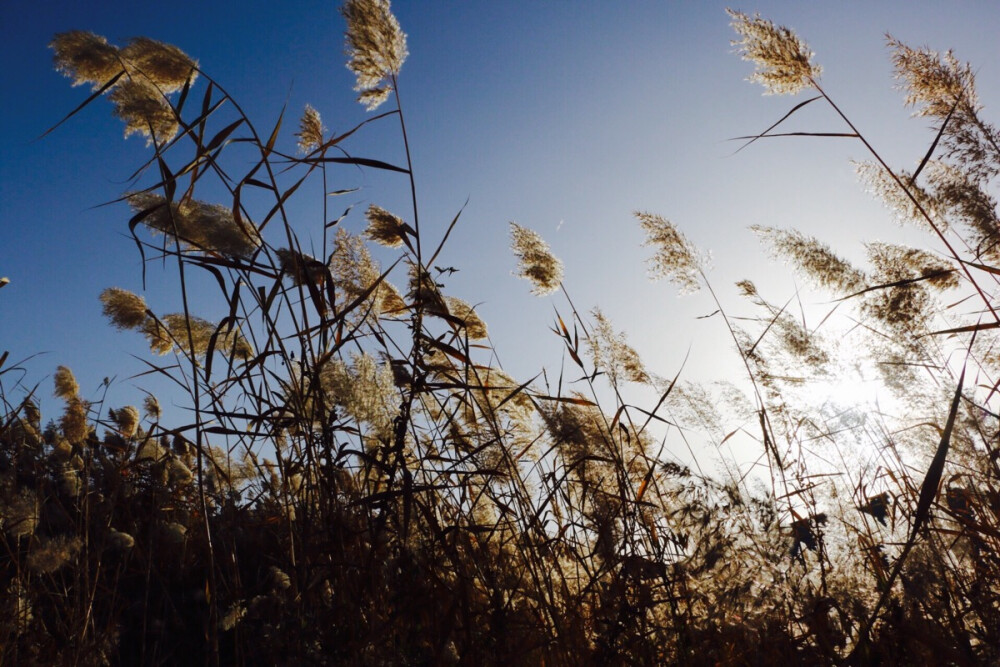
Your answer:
<point x="361" y="482"/>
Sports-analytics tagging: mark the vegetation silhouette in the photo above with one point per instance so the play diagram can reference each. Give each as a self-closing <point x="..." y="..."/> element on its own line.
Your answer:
<point x="360" y="482"/>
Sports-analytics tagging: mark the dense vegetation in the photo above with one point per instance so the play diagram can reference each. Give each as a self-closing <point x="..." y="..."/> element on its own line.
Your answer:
<point x="361" y="483"/>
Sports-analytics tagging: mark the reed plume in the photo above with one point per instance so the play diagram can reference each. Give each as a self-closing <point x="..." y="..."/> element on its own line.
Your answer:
<point x="782" y="60"/>
<point x="376" y="47"/>
<point x="536" y="263"/>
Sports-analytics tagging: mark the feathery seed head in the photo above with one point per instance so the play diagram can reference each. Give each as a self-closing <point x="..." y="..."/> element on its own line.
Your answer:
<point x="232" y="617"/>
<point x="62" y="450"/>
<point x="85" y="58"/>
<point x="173" y="532"/>
<point x="474" y="326"/>
<point x="178" y="473"/>
<point x="612" y="355"/>
<point x="783" y="61"/>
<point x="31" y="412"/>
<point x="173" y="331"/>
<point x="301" y="268"/>
<point x="163" y="65"/>
<point x="151" y="406"/>
<point x="933" y="82"/>
<point x="384" y="227"/>
<point x="390" y="301"/>
<point x="675" y="258"/>
<point x="127" y="420"/>
<point x="885" y="188"/>
<point x="424" y="290"/>
<point x="125" y="309"/>
<point x="74" y="421"/>
<point x="310" y="132"/>
<point x="364" y="389"/>
<point x="896" y="262"/>
<point x="536" y="263"/>
<point x="279" y="580"/>
<point x="150" y="450"/>
<point x="376" y="46"/>
<point x="813" y="258"/>
<point x="354" y="271"/>
<point x="142" y="107"/>
<point x="202" y="226"/>
<point x="373" y="98"/>
<point x="66" y="385"/>
<point x="965" y="198"/>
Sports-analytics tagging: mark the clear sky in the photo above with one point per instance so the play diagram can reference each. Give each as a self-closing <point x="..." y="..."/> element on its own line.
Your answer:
<point x="562" y="116"/>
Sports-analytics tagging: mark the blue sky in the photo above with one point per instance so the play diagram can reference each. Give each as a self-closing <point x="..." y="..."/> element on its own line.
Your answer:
<point x="562" y="116"/>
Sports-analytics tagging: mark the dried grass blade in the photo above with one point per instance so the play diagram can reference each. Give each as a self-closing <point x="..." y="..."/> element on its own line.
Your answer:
<point x="274" y="134"/>
<point x="928" y="491"/>
<point x="575" y="400"/>
<point x="966" y="329"/>
<point x="779" y="122"/>
<point x="445" y="238"/>
<point x="843" y="135"/>
<point x="223" y="134"/>
<point x="899" y="283"/>
<point x="930" y="151"/>
<point x="365" y="162"/>
<point x="94" y="95"/>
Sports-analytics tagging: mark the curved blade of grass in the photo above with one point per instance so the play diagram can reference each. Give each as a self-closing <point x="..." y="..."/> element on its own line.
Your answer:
<point x="779" y="122"/>
<point x="365" y="162"/>
<point x="933" y="147"/>
<point x="97" y="93"/>
<point x="899" y="283"/>
<point x="928" y="491"/>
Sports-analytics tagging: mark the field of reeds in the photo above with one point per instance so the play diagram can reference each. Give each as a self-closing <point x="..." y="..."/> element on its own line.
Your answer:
<point x="356" y="480"/>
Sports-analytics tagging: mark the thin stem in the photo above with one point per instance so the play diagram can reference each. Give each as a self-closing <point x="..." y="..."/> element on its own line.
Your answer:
<point x="911" y="197"/>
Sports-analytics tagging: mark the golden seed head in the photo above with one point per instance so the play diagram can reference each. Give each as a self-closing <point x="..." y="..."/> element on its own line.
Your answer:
<point x="163" y="65"/>
<point x="127" y="420"/>
<point x="384" y="227"/>
<point x="300" y="267"/>
<point x="376" y="47"/>
<point x="424" y="291"/>
<point x="536" y="263"/>
<point x="933" y="82"/>
<point x="125" y="309"/>
<point x="20" y="514"/>
<point x="201" y="226"/>
<point x="310" y="132"/>
<point x="474" y="326"/>
<point x="145" y="111"/>
<point x="676" y="258"/>
<point x="74" y="421"/>
<point x="813" y="258"/>
<point x="177" y="331"/>
<point x="85" y="58"/>
<point x="151" y="406"/>
<point x="66" y="385"/>
<point x="613" y="355"/>
<point x="884" y="187"/>
<point x="783" y="61"/>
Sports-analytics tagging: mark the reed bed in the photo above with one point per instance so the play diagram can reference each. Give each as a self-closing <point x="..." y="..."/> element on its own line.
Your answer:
<point x="360" y="482"/>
